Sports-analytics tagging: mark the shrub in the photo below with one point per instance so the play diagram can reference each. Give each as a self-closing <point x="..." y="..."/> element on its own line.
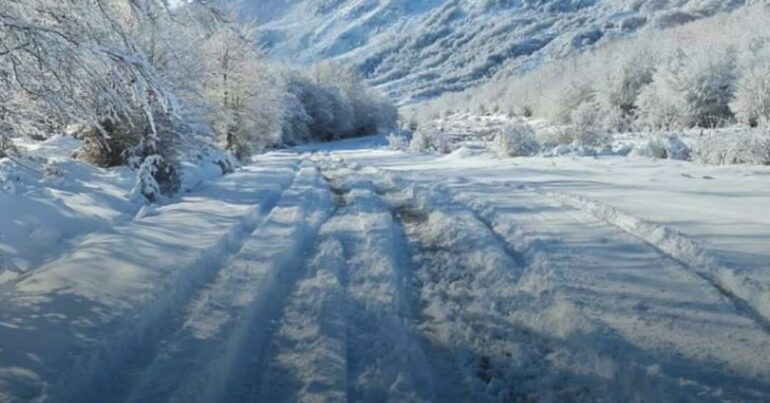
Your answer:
<point x="421" y="141"/>
<point x="736" y="146"/>
<point x="650" y="148"/>
<point x="709" y="86"/>
<point x="555" y="135"/>
<point x="397" y="142"/>
<point x="663" y="147"/>
<point x="660" y="104"/>
<point x="577" y="93"/>
<point x="424" y="140"/>
<point x="586" y="126"/>
<point x="106" y="145"/>
<point x="116" y="143"/>
<point x="517" y="140"/>
<point x="146" y="185"/>
<point x="677" y="149"/>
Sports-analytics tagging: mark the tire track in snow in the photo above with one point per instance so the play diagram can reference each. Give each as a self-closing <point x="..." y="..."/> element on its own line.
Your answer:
<point x="99" y="375"/>
<point x="750" y="298"/>
<point x="667" y="242"/>
<point x="308" y="354"/>
<point x="226" y="326"/>
<point x="375" y="354"/>
<point x="458" y="258"/>
<point x="501" y="379"/>
<point x="540" y="267"/>
<point x="385" y="358"/>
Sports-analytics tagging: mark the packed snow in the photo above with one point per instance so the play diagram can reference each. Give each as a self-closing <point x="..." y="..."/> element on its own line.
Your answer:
<point x="350" y="271"/>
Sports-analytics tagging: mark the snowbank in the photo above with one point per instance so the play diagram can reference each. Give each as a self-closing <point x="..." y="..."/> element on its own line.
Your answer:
<point x="119" y="279"/>
<point x="48" y="199"/>
<point x="749" y="294"/>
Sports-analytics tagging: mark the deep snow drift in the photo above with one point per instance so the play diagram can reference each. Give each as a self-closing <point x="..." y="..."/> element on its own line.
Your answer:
<point x="348" y="271"/>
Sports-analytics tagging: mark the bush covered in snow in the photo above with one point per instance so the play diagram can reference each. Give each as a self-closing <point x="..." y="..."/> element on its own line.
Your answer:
<point x="691" y="90"/>
<point x="397" y="142"/>
<point x="663" y="147"/>
<point x="331" y="102"/>
<point x="421" y="141"/>
<point x="734" y="146"/>
<point x="517" y="140"/>
<point x="430" y="140"/>
<point x="586" y="126"/>
<point x="650" y="148"/>
<point x="678" y="149"/>
<point x="146" y="183"/>
<point x="576" y="95"/>
<point x="617" y="99"/>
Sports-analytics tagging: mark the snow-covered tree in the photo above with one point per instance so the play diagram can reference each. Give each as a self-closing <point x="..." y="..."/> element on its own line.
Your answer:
<point x="692" y="89"/>
<point x="295" y="119"/>
<point x="243" y="97"/>
<point x="336" y="104"/>
<point x="576" y="93"/>
<point x="617" y="95"/>
<point x="77" y="62"/>
<point x="709" y="87"/>
<point x="661" y="104"/>
<point x="752" y="95"/>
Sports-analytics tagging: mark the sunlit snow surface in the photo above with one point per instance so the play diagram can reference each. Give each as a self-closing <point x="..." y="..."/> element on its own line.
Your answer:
<point x="347" y="271"/>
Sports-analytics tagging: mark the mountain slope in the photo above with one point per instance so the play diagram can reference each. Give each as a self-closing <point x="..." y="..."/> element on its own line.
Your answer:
<point x="415" y="50"/>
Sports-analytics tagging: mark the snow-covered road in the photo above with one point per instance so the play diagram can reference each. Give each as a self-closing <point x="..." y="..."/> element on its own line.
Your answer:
<point x="346" y="273"/>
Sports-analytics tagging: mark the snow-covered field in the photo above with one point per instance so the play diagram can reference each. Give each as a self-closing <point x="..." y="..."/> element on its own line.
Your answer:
<point x="348" y="271"/>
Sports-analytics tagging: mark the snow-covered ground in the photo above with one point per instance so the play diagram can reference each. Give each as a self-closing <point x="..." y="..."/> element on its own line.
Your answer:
<point x="50" y="200"/>
<point x="347" y="271"/>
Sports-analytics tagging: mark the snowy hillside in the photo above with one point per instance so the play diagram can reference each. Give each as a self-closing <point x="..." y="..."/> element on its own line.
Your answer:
<point x="418" y="49"/>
